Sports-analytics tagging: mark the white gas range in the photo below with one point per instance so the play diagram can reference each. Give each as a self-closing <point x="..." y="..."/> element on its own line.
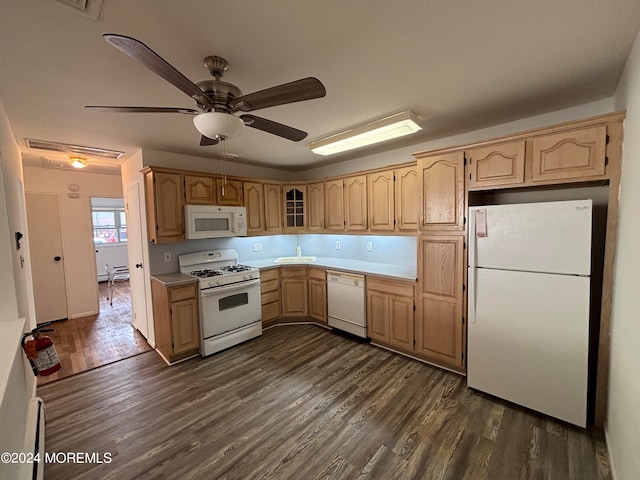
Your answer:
<point x="230" y="311"/>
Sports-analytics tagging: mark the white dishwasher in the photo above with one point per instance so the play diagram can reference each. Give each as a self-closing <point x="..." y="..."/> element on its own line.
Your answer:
<point x="346" y="302"/>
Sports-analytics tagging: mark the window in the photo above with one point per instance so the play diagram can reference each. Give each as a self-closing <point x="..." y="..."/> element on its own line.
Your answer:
<point x="109" y="221"/>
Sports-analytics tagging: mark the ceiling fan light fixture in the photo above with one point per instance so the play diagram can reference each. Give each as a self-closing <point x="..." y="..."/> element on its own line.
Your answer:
<point x="393" y="126"/>
<point x="218" y="125"/>
<point x="78" y="162"/>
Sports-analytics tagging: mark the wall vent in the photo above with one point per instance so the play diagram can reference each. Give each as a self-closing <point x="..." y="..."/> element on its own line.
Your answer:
<point x="88" y="8"/>
<point x="73" y="149"/>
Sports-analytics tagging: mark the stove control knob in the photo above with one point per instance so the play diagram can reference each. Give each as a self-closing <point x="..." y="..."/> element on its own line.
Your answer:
<point x="218" y="282"/>
<point x="211" y="284"/>
<point x="246" y="276"/>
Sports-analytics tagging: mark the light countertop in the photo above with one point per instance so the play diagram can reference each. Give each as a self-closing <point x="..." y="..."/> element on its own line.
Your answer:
<point x="402" y="272"/>
<point x="174" y="279"/>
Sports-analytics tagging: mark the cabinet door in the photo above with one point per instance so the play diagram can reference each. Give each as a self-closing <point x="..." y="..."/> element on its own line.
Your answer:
<point x="439" y="327"/>
<point x="318" y="300"/>
<point x="500" y="164"/>
<point x="407" y="202"/>
<point x="355" y="202"/>
<point x="378" y="316"/>
<point x="272" y="208"/>
<point x="441" y="190"/>
<point x="253" y="200"/>
<point x="569" y="155"/>
<point x="294" y="297"/>
<point x="334" y="205"/>
<point x="401" y="322"/>
<point x="229" y="193"/>
<point x="184" y="326"/>
<point x="440" y="266"/>
<point x="315" y="206"/>
<point x="439" y="334"/>
<point x="381" y="201"/>
<point x="168" y="202"/>
<point x="199" y="190"/>
<point x="294" y="197"/>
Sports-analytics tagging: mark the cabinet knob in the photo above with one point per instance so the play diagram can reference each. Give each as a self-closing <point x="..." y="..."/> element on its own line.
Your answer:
<point x="138" y="265"/>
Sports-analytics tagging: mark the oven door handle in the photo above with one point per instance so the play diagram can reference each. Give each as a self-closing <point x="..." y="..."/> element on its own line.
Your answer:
<point x="229" y="288"/>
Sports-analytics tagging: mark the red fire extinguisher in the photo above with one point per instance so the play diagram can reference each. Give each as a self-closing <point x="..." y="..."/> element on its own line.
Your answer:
<point x="41" y="352"/>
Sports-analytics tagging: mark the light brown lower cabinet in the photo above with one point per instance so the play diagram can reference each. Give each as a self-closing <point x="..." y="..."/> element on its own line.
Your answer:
<point x="175" y="317"/>
<point x="390" y="310"/>
<point x="294" y="291"/>
<point x="318" y="294"/>
<point x="270" y="295"/>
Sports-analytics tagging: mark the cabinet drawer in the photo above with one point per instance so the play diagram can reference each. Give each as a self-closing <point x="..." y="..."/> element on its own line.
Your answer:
<point x="392" y="287"/>
<point x="318" y="273"/>
<point x="270" y="311"/>
<point x="269" y="286"/>
<point x="270" y="297"/>
<point x="293" y="272"/>
<point x="182" y="293"/>
<point x="269" y="274"/>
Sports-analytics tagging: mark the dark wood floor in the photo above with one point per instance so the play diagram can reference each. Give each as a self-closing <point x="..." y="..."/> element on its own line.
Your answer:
<point x="89" y="342"/>
<point x="301" y="402"/>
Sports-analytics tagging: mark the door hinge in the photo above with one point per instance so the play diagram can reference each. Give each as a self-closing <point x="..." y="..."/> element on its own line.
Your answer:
<point x="414" y="307"/>
<point x="394" y="221"/>
<point x="463" y="320"/>
<point x="464" y="245"/>
<point x="606" y="161"/>
<point x="464" y="220"/>
<point x="465" y="160"/>
<point x="170" y="312"/>
<point x="462" y="355"/>
<point x="463" y="287"/>
<point x="607" y="139"/>
<point x="414" y="341"/>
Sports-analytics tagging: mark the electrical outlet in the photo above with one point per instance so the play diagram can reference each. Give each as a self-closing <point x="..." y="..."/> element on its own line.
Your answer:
<point x="338" y="245"/>
<point x="369" y="246"/>
<point x="257" y="247"/>
<point x="167" y="256"/>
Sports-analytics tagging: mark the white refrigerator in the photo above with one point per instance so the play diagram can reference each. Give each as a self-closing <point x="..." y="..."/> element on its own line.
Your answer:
<point x="528" y="305"/>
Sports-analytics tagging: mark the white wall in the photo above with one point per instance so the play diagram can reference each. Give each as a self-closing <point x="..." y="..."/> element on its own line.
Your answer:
<point x="623" y="417"/>
<point x="16" y="298"/>
<point x="212" y="165"/>
<point x="76" y="227"/>
<point x="403" y="155"/>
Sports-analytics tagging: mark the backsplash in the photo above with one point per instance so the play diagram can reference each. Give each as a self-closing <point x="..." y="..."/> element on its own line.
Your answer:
<point x="398" y="250"/>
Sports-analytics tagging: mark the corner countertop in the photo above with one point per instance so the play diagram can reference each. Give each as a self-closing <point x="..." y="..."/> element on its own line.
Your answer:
<point x="402" y="272"/>
<point x="174" y="279"/>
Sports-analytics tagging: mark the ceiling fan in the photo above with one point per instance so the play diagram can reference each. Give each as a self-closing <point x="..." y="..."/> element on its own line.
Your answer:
<point x="217" y="101"/>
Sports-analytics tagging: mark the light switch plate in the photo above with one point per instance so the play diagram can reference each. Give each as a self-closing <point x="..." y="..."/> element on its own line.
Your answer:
<point x="369" y="246"/>
<point x="167" y="256"/>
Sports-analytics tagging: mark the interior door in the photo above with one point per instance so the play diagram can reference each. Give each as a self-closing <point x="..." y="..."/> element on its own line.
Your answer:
<point x="136" y="267"/>
<point x="47" y="261"/>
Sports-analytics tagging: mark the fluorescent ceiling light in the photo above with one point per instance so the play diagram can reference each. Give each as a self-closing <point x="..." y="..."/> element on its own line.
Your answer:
<point x="398" y="125"/>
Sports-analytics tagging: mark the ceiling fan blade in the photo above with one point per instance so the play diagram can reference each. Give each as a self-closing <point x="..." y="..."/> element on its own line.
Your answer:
<point x="100" y="108"/>
<point x="154" y="62"/>
<point x="206" y="141"/>
<point x="275" y="128"/>
<point x="304" y="89"/>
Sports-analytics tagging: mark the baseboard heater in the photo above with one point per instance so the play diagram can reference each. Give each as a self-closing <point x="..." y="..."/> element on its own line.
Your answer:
<point x="34" y="439"/>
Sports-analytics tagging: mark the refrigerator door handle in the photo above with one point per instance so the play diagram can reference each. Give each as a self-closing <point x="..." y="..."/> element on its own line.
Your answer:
<point x="472" y="239"/>
<point x="471" y="302"/>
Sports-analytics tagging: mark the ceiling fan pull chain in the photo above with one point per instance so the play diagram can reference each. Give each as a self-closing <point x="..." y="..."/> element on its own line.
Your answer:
<point x="224" y="157"/>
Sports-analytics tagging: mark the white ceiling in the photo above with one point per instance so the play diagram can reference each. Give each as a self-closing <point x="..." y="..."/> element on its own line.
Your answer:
<point x="458" y="65"/>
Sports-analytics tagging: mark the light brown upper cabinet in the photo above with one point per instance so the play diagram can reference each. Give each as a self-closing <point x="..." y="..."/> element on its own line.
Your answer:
<point x="164" y="195"/>
<point x="272" y="207"/>
<point x="334" y="205"/>
<point x="381" y="201"/>
<point x="499" y="164"/>
<point x="407" y="203"/>
<point x="229" y="193"/>
<point x="355" y="203"/>
<point x="569" y="155"/>
<point x="254" y="201"/>
<point x="199" y="190"/>
<point x="295" y="216"/>
<point x="441" y="191"/>
<point x="315" y="206"/>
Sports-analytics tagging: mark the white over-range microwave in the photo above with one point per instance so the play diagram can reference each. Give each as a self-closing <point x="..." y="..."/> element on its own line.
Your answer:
<point x="209" y="221"/>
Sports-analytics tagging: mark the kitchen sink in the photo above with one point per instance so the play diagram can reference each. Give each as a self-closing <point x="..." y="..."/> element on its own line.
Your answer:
<point x="294" y="259"/>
